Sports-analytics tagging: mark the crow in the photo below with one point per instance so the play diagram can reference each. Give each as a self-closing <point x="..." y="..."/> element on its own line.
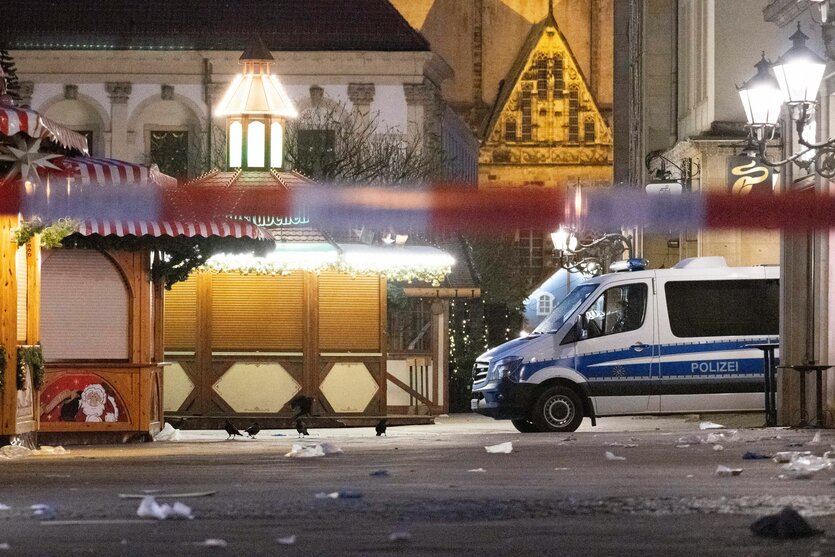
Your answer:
<point x="303" y="404"/>
<point x="301" y="427"/>
<point x="381" y="427"/>
<point x="231" y="430"/>
<point x="253" y="430"/>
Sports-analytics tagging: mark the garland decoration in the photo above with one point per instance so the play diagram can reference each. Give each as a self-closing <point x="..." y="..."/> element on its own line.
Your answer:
<point x="51" y="235"/>
<point x="31" y="356"/>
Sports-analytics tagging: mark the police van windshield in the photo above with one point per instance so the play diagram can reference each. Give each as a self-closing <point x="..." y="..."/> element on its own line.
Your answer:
<point x="565" y="309"/>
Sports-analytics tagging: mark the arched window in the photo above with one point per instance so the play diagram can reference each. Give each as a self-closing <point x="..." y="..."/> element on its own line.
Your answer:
<point x="542" y="78"/>
<point x="589" y="132"/>
<point x="256" y="142"/>
<point x="526" y="115"/>
<point x="85" y="308"/>
<point x="510" y="129"/>
<point x="573" y="115"/>
<point x="559" y="77"/>
<point x="545" y="304"/>
<point x="236" y="145"/>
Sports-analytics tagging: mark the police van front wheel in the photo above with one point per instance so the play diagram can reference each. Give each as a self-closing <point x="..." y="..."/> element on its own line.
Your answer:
<point x="558" y="409"/>
<point x="524" y="425"/>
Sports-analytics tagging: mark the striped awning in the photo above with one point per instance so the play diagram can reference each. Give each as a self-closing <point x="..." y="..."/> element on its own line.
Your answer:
<point x="93" y="170"/>
<point x="14" y="120"/>
<point x="220" y="229"/>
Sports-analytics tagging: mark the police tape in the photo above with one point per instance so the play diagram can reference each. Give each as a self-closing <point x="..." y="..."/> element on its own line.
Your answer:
<point x="438" y="208"/>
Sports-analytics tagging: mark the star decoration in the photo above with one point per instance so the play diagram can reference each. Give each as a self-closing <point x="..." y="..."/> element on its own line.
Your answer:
<point x="618" y="371"/>
<point x="27" y="159"/>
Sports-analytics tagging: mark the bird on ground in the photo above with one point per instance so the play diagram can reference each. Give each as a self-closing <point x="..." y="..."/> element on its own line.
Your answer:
<point x="231" y="430"/>
<point x="301" y="427"/>
<point x="253" y="430"/>
<point x="381" y="427"/>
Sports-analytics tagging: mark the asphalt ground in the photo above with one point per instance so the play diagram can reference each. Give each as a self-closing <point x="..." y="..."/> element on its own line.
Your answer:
<point x="555" y="494"/>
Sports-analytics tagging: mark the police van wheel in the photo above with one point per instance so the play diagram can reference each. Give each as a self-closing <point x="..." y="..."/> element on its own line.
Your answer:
<point x="524" y="425"/>
<point x="558" y="409"/>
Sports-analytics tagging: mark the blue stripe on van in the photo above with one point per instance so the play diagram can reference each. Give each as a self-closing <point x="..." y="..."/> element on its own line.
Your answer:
<point x="642" y="371"/>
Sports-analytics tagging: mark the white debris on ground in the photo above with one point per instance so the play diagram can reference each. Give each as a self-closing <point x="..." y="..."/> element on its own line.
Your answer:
<point x="212" y="542"/>
<point x="477" y="470"/>
<point x="5" y="545"/>
<point x="612" y="456"/>
<point x="685" y="441"/>
<point x="624" y="445"/>
<point x="501" y="448"/>
<point x="710" y="425"/>
<point x="400" y="536"/>
<point x="718" y="448"/>
<point x="289" y="540"/>
<point x="787" y="456"/>
<point x="168" y="433"/>
<point x="816" y="439"/>
<point x="330" y="448"/>
<point x="305" y="451"/>
<point x="4" y="507"/>
<point x="11" y="452"/>
<point x="149" y="508"/>
<point x="341" y="494"/>
<point x="724" y="471"/>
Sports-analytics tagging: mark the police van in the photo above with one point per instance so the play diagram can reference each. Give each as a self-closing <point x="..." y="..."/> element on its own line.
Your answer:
<point x="639" y="342"/>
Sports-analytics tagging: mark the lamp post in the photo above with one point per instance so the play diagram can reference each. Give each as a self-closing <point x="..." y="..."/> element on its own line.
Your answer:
<point x="591" y="255"/>
<point x="793" y="81"/>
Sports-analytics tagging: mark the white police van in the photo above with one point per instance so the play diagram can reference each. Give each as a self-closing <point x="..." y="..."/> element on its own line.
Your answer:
<point x="641" y="342"/>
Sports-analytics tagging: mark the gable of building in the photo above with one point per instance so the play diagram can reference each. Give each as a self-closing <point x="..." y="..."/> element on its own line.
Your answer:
<point x="545" y="113"/>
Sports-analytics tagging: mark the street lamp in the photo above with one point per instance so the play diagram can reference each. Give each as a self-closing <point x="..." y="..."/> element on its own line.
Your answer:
<point x="793" y="80"/>
<point x="592" y="255"/>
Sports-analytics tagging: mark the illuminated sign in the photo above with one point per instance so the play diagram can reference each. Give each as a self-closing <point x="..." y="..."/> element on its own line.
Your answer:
<point x="747" y="175"/>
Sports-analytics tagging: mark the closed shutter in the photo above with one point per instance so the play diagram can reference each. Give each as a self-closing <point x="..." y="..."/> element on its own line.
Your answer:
<point x="181" y="315"/>
<point x="257" y="312"/>
<point x="84" y="307"/>
<point x="22" y="288"/>
<point x="349" y="313"/>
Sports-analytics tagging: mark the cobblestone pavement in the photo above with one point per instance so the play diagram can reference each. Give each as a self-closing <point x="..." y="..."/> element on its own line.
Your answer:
<point x="553" y="495"/>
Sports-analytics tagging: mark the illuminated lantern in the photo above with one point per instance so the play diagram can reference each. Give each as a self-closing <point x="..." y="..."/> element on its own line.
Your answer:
<point x="256" y="107"/>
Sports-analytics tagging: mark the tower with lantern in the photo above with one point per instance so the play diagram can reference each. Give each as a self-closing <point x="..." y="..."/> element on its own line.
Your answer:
<point x="256" y="108"/>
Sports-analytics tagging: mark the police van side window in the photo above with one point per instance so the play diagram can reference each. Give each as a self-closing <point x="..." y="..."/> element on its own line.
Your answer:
<point x="618" y="310"/>
<point x="723" y="307"/>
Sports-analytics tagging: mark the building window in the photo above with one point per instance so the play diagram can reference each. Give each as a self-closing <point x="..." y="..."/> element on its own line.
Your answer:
<point x="589" y="131"/>
<point x="169" y="151"/>
<point x="316" y="152"/>
<point x="236" y="144"/>
<point x="529" y="251"/>
<point x="542" y="78"/>
<point x="526" y="115"/>
<point x="573" y="115"/>
<point x="545" y="304"/>
<point x="510" y="129"/>
<point x="559" y="77"/>
<point x="409" y="326"/>
<point x="256" y="142"/>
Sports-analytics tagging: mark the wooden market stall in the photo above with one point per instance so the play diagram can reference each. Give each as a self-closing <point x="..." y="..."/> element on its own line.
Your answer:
<point x="245" y="335"/>
<point x="96" y="310"/>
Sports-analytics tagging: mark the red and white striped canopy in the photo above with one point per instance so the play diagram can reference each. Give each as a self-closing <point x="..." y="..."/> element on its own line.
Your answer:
<point x="14" y="120"/>
<point x="220" y="229"/>
<point x="92" y="170"/>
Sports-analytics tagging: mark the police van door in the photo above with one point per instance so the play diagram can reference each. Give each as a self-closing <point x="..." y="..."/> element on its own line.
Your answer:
<point x="619" y="355"/>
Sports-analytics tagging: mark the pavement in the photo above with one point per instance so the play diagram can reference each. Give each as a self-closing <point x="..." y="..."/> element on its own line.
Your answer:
<point x="441" y="492"/>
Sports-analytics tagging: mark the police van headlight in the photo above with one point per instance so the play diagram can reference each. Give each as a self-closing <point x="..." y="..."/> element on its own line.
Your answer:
<point x="507" y="368"/>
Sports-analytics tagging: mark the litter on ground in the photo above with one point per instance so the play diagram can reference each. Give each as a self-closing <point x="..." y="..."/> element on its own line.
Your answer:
<point x="725" y="472"/>
<point x="501" y="448"/>
<point x="149" y="508"/>
<point x="168" y="433"/>
<point x="612" y="456"/>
